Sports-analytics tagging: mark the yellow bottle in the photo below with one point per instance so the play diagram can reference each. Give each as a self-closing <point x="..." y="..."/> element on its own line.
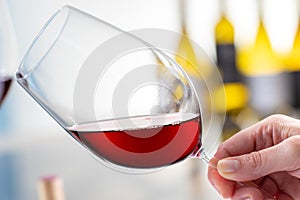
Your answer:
<point x="293" y="59"/>
<point x="235" y="90"/>
<point x="292" y="62"/>
<point x="263" y="69"/>
<point x="185" y="54"/>
<point x="259" y="58"/>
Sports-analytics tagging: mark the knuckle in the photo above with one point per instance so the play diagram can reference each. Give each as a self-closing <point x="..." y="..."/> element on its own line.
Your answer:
<point x="255" y="160"/>
<point x="277" y="126"/>
<point x="276" y="117"/>
<point x="277" y="120"/>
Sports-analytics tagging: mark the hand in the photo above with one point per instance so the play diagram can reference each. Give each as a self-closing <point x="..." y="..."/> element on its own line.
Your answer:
<point x="267" y="153"/>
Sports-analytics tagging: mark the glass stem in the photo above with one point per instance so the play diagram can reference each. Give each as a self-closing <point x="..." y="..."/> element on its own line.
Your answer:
<point x="211" y="161"/>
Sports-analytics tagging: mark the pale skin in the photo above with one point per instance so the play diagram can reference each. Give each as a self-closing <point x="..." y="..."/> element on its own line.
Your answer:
<point x="267" y="153"/>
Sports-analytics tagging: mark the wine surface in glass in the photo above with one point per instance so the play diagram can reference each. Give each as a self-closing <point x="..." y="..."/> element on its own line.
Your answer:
<point x="5" y="82"/>
<point x="142" y="142"/>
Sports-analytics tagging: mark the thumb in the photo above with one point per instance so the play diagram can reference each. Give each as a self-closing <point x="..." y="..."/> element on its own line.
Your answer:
<point x="281" y="157"/>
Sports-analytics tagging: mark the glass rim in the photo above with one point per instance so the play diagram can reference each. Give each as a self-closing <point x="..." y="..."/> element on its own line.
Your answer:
<point x="65" y="12"/>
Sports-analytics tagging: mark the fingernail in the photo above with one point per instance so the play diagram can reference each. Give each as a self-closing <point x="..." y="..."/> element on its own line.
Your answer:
<point x="228" y="166"/>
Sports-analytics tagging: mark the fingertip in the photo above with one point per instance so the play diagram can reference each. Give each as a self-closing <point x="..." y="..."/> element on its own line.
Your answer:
<point x="224" y="187"/>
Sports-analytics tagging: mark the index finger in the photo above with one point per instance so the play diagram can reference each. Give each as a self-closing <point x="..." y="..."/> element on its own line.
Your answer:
<point x="266" y="133"/>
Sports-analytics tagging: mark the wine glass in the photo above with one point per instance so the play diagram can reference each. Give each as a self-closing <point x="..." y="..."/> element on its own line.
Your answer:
<point x="128" y="103"/>
<point x="8" y="50"/>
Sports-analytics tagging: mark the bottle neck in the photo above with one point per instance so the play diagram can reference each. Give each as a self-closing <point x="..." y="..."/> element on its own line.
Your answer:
<point x="260" y="9"/>
<point x="222" y="7"/>
<point x="298" y="7"/>
<point x="182" y="15"/>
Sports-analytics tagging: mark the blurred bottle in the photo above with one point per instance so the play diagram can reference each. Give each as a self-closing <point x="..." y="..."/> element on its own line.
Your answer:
<point x="51" y="188"/>
<point x="292" y="62"/>
<point x="237" y="111"/>
<point x="185" y="55"/>
<point x="269" y="86"/>
<point x="196" y="63"/>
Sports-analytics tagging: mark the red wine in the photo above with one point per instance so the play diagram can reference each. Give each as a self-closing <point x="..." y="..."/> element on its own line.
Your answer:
<point x="5" y="82"/>
<point x="169" y="139"/>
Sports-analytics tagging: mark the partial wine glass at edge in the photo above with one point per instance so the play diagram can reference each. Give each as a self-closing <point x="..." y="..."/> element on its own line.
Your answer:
<point x="8" y="50"/>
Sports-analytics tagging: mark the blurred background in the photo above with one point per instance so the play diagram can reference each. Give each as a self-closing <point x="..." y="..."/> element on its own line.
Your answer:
<point x="255" y="44"/>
